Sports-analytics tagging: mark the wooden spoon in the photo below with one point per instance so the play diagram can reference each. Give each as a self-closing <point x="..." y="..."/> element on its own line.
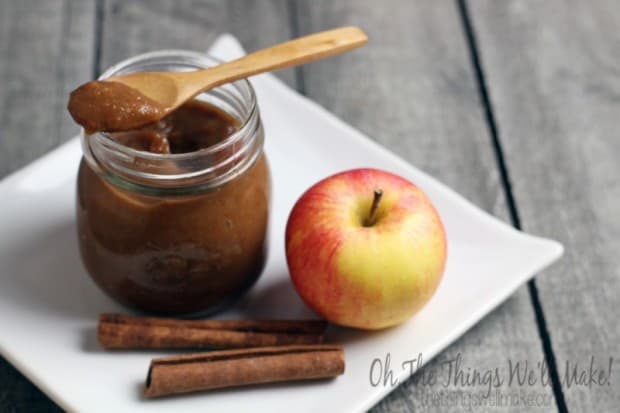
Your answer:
<point x="146" y="97"/>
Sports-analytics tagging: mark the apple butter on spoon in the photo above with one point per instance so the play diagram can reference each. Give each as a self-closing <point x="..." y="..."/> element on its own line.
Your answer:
<point x="133" y="100"/>
<point x="112" y="106"/>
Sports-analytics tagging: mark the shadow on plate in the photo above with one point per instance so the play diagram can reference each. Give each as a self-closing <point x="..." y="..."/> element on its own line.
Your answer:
<point x="280" y="300"/>
<point x="47" y="275"/>
<point x="277" y="299"/>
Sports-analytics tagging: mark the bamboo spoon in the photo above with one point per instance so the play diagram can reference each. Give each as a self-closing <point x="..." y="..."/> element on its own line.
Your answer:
<point x="133" y="100"/>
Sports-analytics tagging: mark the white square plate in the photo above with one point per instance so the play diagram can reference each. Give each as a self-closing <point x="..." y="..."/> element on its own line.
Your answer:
<point x="49" y="306"/>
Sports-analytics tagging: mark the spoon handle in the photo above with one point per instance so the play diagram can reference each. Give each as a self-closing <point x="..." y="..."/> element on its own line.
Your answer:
<point x="291" y="53"/>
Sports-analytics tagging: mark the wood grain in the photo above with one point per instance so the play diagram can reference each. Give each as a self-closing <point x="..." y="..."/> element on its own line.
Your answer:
<point x="132" y="27"/>
<point x="554" y="80"/>
<point x="412" y="88"/>
<point x="46" y="48"/>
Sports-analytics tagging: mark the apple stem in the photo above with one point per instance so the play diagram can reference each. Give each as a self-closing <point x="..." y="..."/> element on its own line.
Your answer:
<point x="372" y="216"/>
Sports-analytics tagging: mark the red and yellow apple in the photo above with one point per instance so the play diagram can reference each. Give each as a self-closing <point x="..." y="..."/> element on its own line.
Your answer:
<point x="365" y="248"/>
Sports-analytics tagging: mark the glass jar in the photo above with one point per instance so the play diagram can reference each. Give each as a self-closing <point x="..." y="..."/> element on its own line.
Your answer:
<point x="176" y="233"/>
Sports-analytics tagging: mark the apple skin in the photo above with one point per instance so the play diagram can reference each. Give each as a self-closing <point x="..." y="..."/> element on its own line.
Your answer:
<point x="368" y="277"/>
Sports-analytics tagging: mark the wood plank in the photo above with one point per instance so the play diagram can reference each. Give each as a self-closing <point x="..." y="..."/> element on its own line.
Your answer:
<point x="133" y="27"/>
<point x="46" y="50"/>
<point x="552" y="71"/>
<point x="413" y="89"/>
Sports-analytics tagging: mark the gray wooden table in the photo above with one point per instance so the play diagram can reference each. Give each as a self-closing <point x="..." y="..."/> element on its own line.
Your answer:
<point x="514" y="103"/>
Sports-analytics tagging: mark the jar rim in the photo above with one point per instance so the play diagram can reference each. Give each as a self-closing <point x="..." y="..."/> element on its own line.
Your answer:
<point x="181" y="173"/>
<point x="230" y="140"/>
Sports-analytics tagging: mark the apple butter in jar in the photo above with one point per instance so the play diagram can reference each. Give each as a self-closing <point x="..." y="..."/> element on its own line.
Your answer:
<point x="172" y="217"/>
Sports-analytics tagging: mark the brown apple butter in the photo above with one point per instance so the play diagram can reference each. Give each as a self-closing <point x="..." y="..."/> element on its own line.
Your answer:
<point x="112" y="106"/>
<point x="168" y="253"/>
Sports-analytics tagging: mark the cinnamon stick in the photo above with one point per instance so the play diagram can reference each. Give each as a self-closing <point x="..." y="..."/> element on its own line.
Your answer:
<point x="118" y="331"/>
<point x="241" y="367"/>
